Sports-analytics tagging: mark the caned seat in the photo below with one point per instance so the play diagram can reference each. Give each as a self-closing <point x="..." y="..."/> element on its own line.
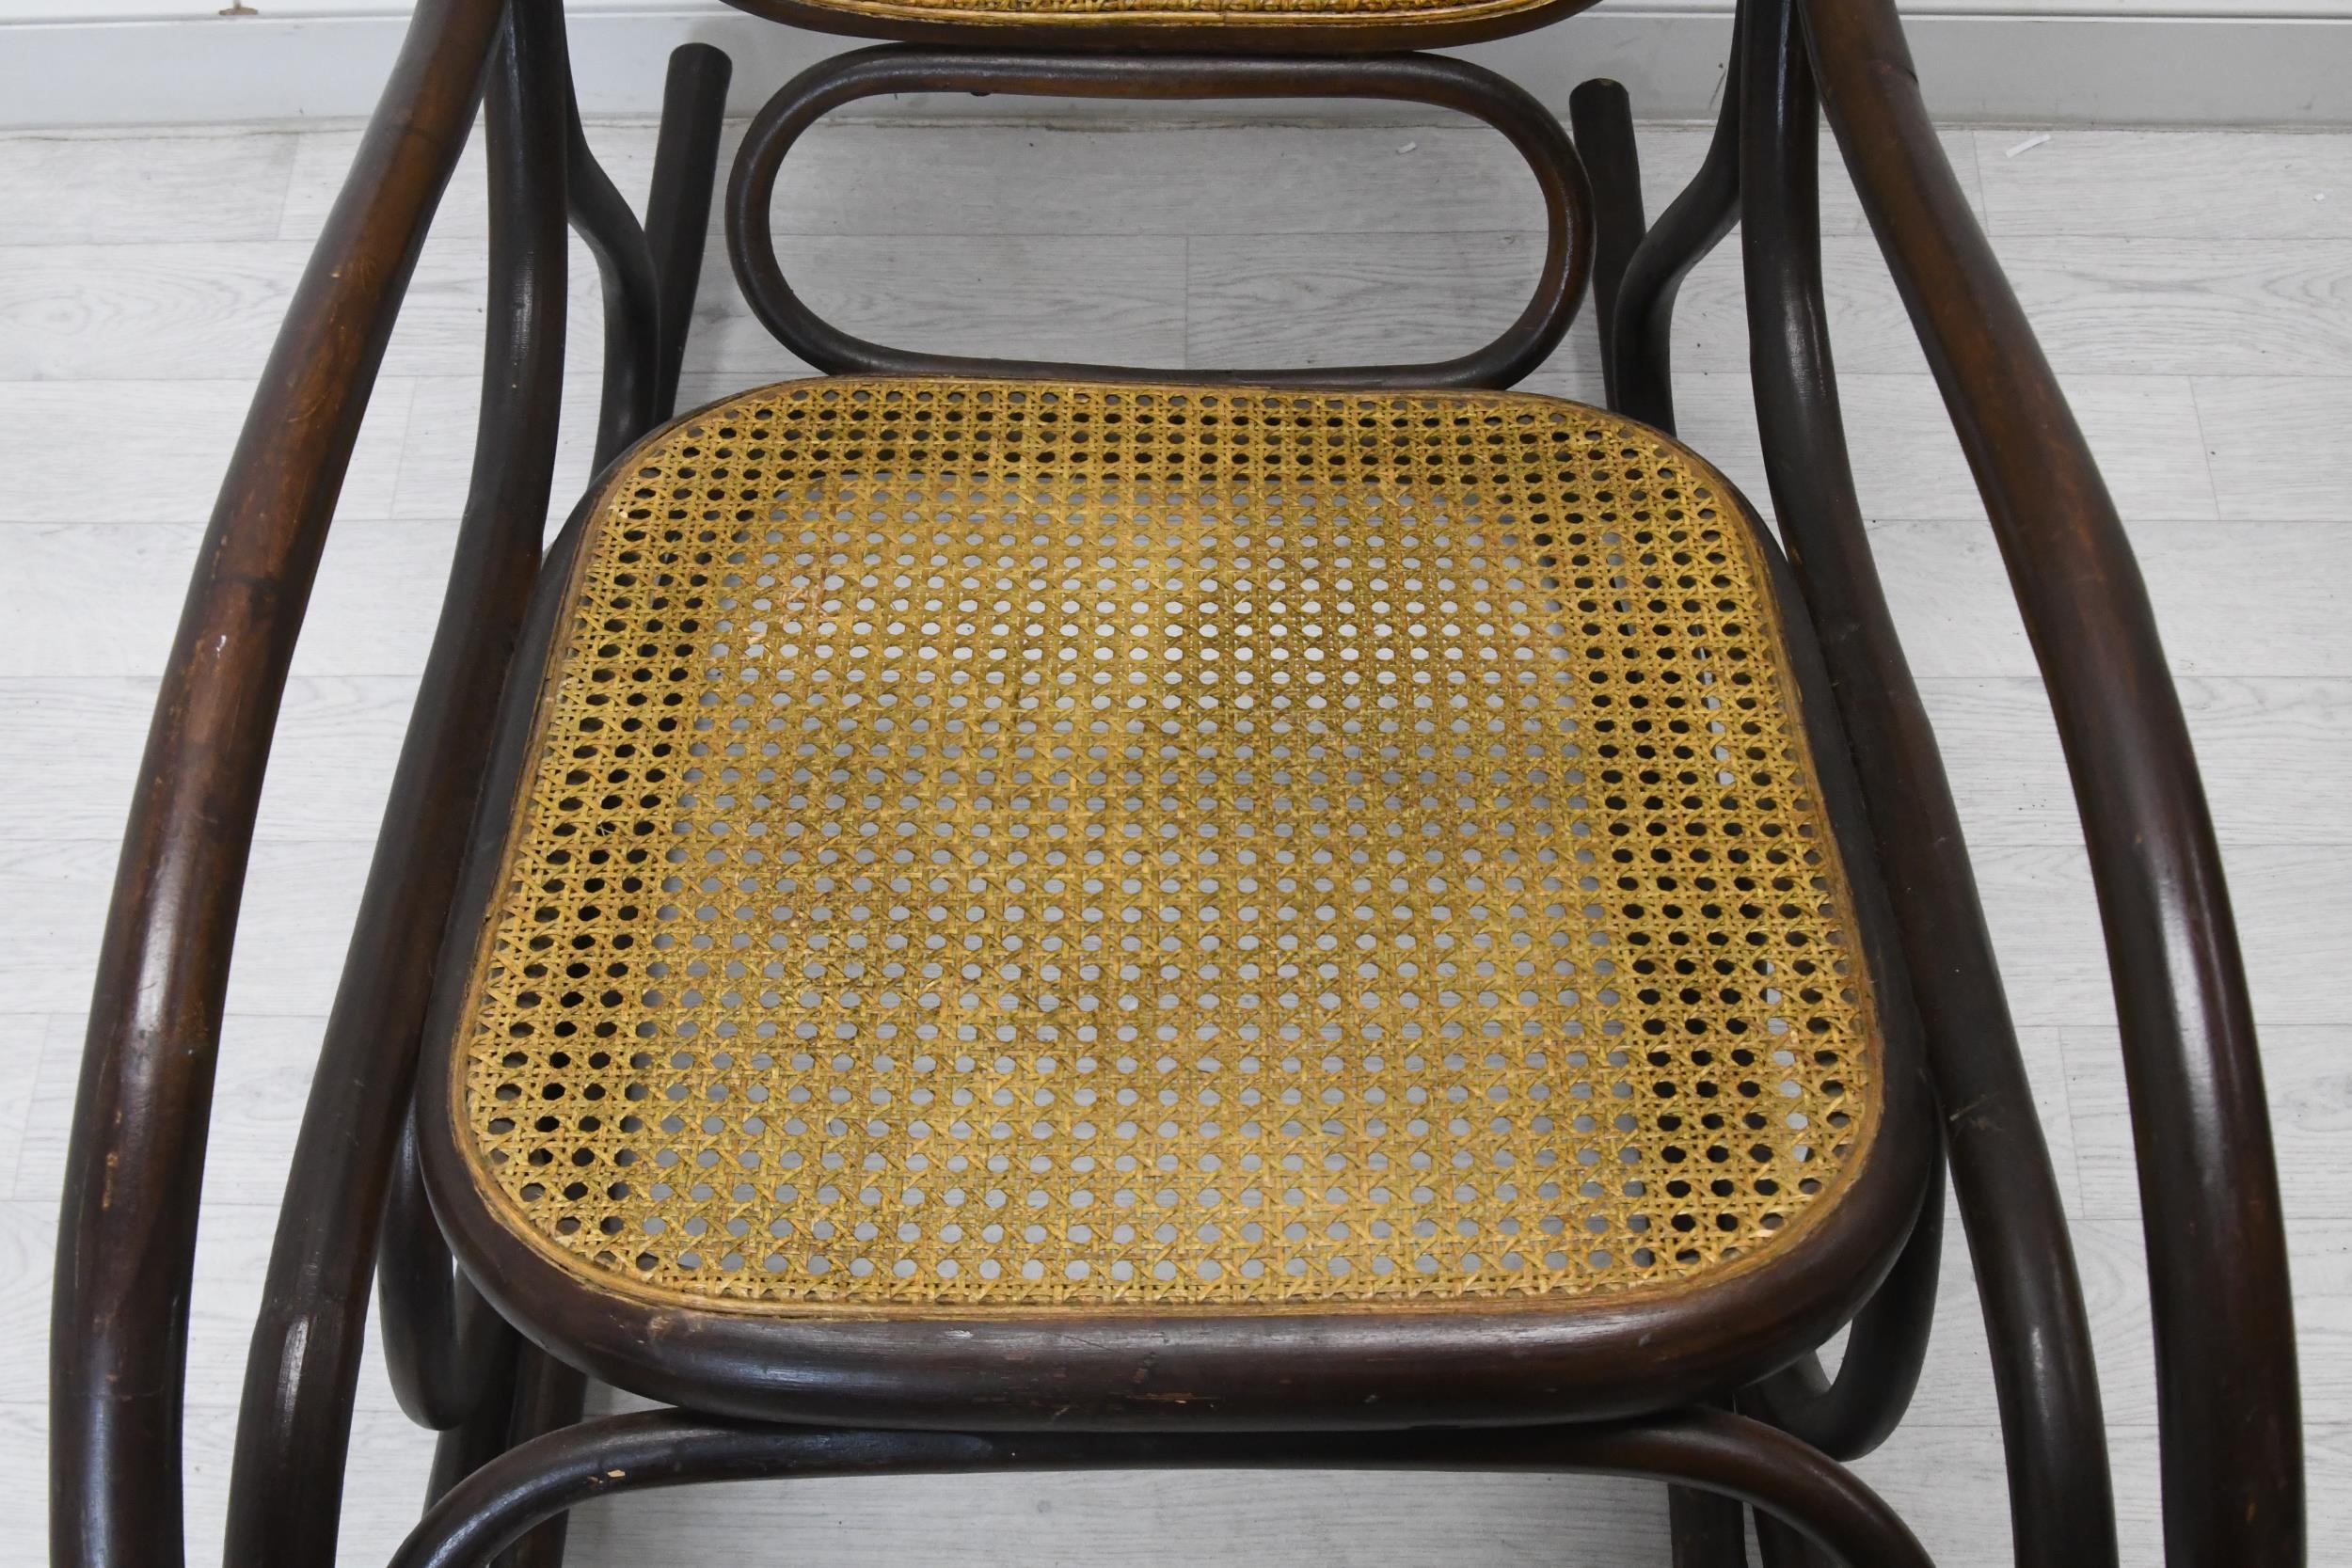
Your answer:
<point x="998" y="850"/>
<point x="1330" y="25"/>
<point x="1128" y="14"/>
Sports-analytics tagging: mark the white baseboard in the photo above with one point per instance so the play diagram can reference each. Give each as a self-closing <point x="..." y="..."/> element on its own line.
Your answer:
<point x="1979" y="62"/>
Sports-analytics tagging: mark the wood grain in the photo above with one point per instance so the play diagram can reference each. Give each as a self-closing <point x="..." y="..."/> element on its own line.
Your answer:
<point x="152" y="451"/>
<point x="67" y="188"/>
<point x="2226" y="603"/>
<point x="372" y="614"/>
<point x="2277" y="445"/>
<point x="2247" y="184"/>
<point x="2261" y="743"/>
<point x="2308" y="1071"/>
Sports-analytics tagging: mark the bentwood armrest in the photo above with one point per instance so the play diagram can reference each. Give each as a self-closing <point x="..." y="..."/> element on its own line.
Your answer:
<point x="2216" y="1249"/>
<point x="135" y="1168"/>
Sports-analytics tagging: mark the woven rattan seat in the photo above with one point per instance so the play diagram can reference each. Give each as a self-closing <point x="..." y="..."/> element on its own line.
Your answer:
<point x="1334" y="24"/>
<point x="1128" y="13"/>
<point x="1011" y="844"/>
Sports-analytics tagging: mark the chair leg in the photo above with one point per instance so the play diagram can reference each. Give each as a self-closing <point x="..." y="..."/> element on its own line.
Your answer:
<point x="548" y="1397"/>
<point x="1709" y="1529"/>
<point x="1602" y="116"/>
<point x="1641" y="339"/>
<point x="600" y="215"/>
<point x="529" y="1395"/>
<point x="293" y="1431"/>
<point x="482" y="1436"/>
<point x="1783" y="1547"/>
<point x="678" y="202"/>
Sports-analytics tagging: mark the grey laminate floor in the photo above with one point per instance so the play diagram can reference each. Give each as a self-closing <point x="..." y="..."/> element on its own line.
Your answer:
<point x="2195" y="291"/>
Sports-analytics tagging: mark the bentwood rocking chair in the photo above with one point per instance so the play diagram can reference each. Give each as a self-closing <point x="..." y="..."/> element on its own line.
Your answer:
<point x="977" y="916"/>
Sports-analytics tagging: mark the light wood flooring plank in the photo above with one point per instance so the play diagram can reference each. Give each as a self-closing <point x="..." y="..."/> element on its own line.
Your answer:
<point x="2306" y="1070"/>
<point x="2292" y="904"/>
<point x="1147" y="175"/>
<point x="2278" y="445"/>
<point x="67" y="188"/>
<point x="210" y="310"/>
<point x="261" y="1082"/>
<point x="154" y="451"/>
<point x="371" y="611"/>
<point x="2262" y="745"/>
<point x="291" y="934"/>
<point x="1240" y="1518"/>
<point x="2216" y="184"/>
<point x="2231" y="599"/>
<point x="76" y="742"/>
<point x="1320" y="300"/>
<point x="1907" y="463"/>
<point x="2227" y="307"/>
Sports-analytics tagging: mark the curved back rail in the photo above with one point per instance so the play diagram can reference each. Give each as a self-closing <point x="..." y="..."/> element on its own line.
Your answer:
<point x="2228" y="1402"/>
<point x="294" y="1424"/>
<point x="304" y="1361"/>
<point x="134" y="1167"/>
<point x="2061" y="1513"/>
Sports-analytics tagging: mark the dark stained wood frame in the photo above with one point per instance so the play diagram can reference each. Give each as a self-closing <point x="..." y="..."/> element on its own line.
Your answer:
<point x="1739" y="1459"/>
<point x="1428" y="79"/>
<point x="513" y="1454"/>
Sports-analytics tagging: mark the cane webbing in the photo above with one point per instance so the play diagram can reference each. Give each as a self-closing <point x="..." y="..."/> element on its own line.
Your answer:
<point x="1008" y="842"/>
<point x="1111" y="15"/>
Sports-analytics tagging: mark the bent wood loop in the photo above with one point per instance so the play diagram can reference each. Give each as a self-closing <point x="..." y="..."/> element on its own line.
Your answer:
<point x="443" y="1344"/>
<point x="133" y="1169"/>
<point x="1726" y="1455"/>
<point x="2227" y="1403"/>
<point x="1411" y="78"/>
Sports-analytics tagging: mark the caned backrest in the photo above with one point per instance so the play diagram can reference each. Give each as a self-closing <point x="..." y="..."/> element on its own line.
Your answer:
<point x="1256" y="26"/>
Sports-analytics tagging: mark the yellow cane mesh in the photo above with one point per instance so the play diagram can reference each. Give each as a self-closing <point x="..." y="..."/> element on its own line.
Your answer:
<point x="1111" y="13"/>
<point x="999" y="844"/>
